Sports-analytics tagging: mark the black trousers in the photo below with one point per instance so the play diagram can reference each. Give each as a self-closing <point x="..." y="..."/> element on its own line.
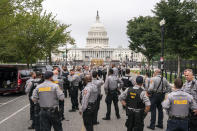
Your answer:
<point x="104" y="75"/>
<point x="31" y="109"/>
<point x="135" y="121"/>
<point x="49" y="119"/>
<point x="66" y="90"/>
<point x="109" y="98"/>
<point x="88" y="117"/>
<point x="61" y="107"/>
<point x="37" y="117"/>
<point x="74" y="97"/>
<point x="97" y="109"/>
<point x="192" y="121"/>
<point x="156" y="100"/>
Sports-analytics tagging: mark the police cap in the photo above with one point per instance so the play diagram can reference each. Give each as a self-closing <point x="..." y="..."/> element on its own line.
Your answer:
<point x="48" y="74"/>
<point x="139" y="80"/>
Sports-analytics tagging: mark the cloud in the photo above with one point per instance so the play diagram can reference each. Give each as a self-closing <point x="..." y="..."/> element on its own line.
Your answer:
<point x="114" y="14"/>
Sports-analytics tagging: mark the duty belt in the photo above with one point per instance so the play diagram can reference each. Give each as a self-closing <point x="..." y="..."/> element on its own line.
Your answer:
<point x="178" y="117"/>
<point x="50" y="109"/>
<point x="135" y="110"/>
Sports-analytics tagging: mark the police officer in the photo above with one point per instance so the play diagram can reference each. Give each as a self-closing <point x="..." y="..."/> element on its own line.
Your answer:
<point x="59" y="81"/>
<point x="137" y="105"/>
<point x="98" y="82"/>
<point x="28" y="87"/>
<point x="158" y="87"/>
<point x="147" y="81"/>
<point x="49" y="94"/>
<point x="36" y="118"/>
<point x="127" y="80"/>
<point x="115" y="69"/>
<point x="86" y="71"/>
<point x="74" y="80"/>
<point x="89" y="97"/>
<point x="123" y="70"/>
<point x="104" y="72"/>
<point x="66" y="83"/>
<point x="177" y="105"/>
<point x="81" y="77"/>
<point x="112" y="92"/>
<point x="100" y="68"/>
<point x="190" y="86"/>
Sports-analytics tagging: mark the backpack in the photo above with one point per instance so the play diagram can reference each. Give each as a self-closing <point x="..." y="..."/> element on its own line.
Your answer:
<point x="127" y="82"/>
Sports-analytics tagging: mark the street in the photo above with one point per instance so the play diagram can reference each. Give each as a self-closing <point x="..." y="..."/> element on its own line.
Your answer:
<point x="14" y="116"/>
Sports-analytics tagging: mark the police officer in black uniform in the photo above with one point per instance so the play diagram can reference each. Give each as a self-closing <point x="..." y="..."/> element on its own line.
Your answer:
<point x="49" y="94"/>
<point x="66" y="83"/>
<point x="127" y="80"/>
<point x="137" y="105"/>
<point x="104" y="72"/>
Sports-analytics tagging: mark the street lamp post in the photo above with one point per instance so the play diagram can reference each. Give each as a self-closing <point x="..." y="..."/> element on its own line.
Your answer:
<point x="126" y="61"/>
<point x="66" y="55"/>
<point x="75" y="53"/>
<point x="132" y="59"/>
<point x="162" y="23"/>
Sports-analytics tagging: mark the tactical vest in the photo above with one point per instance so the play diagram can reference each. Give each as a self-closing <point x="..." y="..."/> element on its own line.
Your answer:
<point x="127" y="82"/>
<point x="133" y="99"/>
<point x="33" y="86"/>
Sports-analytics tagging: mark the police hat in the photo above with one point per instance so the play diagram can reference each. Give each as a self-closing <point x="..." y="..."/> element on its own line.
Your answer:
<point x="48" y="74"/>
<point x="139" y="80"/>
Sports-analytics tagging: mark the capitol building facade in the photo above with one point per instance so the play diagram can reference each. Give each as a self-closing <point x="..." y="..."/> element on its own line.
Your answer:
<point x="97" y="49"/>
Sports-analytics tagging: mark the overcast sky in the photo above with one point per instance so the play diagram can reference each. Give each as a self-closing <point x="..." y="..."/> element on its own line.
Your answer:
<point x="114" y="14"/>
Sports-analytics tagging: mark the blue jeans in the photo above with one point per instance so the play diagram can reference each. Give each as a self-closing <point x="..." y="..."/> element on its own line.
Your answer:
<point x="177" y="125"/>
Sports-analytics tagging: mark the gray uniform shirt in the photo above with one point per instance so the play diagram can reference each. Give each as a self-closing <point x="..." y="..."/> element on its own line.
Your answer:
<point x="48" y="94"/>
<point x="143" y="96"/>
<point x="192" y="91"/>
<point x="89" y="95"/>
<point x="115" y="71"/>
<point x="98" y="83"/>
<point x="147" y="83"/>
<point x="58" y="81"/>
<point x="80" y="74"/>
<point x="111" y="83"/>
<point x="154" y="83"/>
<point x="29" y="84"/>
<point x="74" y="79"/>
<point x="178" y="103"/>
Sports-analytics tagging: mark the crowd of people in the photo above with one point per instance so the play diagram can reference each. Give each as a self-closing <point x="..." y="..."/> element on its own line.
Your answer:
<point x="138" y="95"/>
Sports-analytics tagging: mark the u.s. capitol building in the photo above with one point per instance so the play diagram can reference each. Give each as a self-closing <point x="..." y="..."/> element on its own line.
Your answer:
<point x="97" y="49"/>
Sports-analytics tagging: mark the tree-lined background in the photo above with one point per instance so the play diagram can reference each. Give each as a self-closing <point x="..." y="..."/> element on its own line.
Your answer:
<point x="144" y="32"/>
<point x="28" y="33"/>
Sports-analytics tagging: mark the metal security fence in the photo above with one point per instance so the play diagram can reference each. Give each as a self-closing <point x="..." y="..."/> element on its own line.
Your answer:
<point x="171" y="68"/>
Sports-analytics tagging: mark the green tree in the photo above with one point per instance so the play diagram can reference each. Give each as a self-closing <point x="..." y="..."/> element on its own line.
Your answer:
<point x="53" y="35"/>
<point x="180" y="27"/>
<point x="144" y="36"/>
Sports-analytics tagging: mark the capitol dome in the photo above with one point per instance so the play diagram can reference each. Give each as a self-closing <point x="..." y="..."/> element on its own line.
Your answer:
<point x="97" y="35"/>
